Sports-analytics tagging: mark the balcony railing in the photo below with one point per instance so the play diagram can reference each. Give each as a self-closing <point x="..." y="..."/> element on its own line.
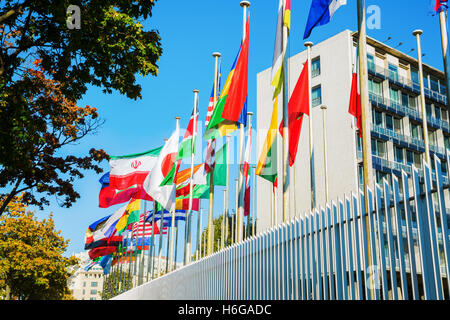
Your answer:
<point x="406" y="83"/>
<point x="395" y="107"/>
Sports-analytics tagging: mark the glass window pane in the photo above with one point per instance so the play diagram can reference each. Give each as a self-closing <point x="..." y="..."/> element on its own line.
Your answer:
<point x="316" y="95"/>
<point x="409" y="157"/>
<point x="398" y="125"/>
<point x="393" y="72"/>
<point x="405" y="100"/>
<point x="393" y="94"/>
<point x="414" y="75"/>
<point x="389" y="122"/>
<point x="378" y="118"/>
<point x="434" y="84"/>
<point x="398" y="154"/>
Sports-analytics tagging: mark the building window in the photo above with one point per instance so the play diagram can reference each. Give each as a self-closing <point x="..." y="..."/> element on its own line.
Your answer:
<point x="432" y="137"/>
<point x="94" y="284"/>
<point x="393" y="94"/>
<point x="398" y="126"/>
<point x="377" y="118"/>
<point x="379" y="148"/>
<point x="375" y="87"/>
<point x="393" y="72"/>
<point x="398" y="155"/>
<point x="434" y="84"/>
<point x="370" y="62"/>
<point x="315" y="67"/>
<point x="447" y="142"/>
<point x="84" y="283"/>
<point x="389" y="122"/>
<point x="416" y="131"/>
<point x="413" y="102"/>
<point x="437" y="112"/>
<point x="93" y="291"/>
<point x="380" y="176"/>
<point x="425" y="81"/>
<point x="414" y="75"/>
<point x="316" y="95"/>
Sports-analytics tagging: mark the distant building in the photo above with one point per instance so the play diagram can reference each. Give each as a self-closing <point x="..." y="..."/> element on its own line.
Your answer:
<point x="86" y="285"/>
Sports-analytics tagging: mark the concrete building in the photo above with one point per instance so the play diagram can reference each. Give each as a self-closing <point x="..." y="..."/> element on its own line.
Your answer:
<point x="397" y="139"/>
<point x="86" y="285"/>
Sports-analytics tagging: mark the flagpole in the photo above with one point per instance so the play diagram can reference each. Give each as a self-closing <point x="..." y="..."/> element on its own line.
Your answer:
<point x="172" y="225"/>
<point x="365" y="117"/>
<point x="285" y="157"/>
<point x="253" y="201"/>
<point x="227" y="202"/>
<point x="249" y="121"/>
<point x="236" y="226"/>
<point x="445" y="55"/>
<point x="151" y="265"/>
<point x="141" y="268"/>
<point x="308" y="45"/>
<point x="216" y="56"/>
<point x="325" y="160"/>
<point x="222" y="232"/>
<point x="161" y="232"/>
<point x="199" y="220"/>
<point x="240" y="211"/>
<point x="417" y="34"/>
<point x="187" y="243"/>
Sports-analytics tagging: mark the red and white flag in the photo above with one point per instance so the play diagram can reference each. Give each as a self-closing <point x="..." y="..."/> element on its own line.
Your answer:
<point x="355" y="96"/>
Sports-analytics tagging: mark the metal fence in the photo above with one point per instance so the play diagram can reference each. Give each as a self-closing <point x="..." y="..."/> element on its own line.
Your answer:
<point x="398" y="249"/>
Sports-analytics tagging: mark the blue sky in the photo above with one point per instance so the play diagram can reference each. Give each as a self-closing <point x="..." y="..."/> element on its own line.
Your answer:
<point x="191" y="31"/>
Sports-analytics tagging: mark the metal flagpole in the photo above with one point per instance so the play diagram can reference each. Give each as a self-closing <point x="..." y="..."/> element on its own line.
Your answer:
<point x="236" y="222"/>
<point x="240" y="208"/>
<point x="325" y="163"/>
<point x="227" y="201"/>
<point x="174" y="266"/>
<point x="187" y="243"/>
<point x="249" y="121"/>
<point x="253" y="201"/>
<point x="168" y="244"/>
<point x="152" y="245"/>
<point x="216" y="56"/>
<point x="445" y="55"/>
<point x="222" y="232"/>
<point x="141" y="268"/>
<point x="161" y="233"/>
<point x="308" y="45"/>
<point x="285" y="157"/>
<point x="417" y="34"/>
<point x="172" y="225"/>
<point x="199" y="220"/>
<point x="365" y="117"/>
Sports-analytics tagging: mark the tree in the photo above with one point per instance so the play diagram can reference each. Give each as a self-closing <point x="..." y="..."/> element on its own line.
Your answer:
<point x="45" y="68"/>
<point x="32" y="265"/>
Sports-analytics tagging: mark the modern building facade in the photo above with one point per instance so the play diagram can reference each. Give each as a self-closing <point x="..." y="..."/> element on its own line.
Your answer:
<point x="396" y="129"/>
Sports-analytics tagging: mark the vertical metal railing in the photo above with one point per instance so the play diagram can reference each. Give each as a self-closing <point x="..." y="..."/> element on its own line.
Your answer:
<point x="325" y="254"/>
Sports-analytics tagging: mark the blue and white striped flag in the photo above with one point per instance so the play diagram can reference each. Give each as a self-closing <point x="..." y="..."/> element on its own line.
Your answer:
<point x="321" y="13"/>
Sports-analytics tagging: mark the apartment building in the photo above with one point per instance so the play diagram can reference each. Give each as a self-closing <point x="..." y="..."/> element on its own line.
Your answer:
<point x="396" y="128"/>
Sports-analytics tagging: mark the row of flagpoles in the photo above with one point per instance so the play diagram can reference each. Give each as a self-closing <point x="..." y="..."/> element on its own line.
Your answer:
<point x="155" y="176"/>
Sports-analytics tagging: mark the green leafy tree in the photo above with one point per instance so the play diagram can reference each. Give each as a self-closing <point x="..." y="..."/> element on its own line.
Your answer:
<point x="32" y="265"/>
<point x="45" y="68"/>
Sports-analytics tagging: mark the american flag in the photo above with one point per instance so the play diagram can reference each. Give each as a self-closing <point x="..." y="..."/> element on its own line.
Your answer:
<point x="138" y="228"/>
<point x="211" y="98"/>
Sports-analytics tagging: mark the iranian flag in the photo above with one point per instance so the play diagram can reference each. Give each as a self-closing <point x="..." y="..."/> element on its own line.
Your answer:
<point x="355" y="95"/>
<point x="132" y="169"/>
<point x="160" y="182"/>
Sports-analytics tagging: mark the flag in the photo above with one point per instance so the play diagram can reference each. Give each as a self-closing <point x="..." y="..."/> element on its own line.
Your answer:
<point x="237" y="94"/>
<point x="277" y="72"/>
<point x="320" y="13"/>
<point x="179" y="215"/>
<point x="187" y="145"/>
<point x="103" y="228"/>
<point x="211" y="98"/>
<point x="184" y="180"/>
<point x="138" y="227"/>
<point x="131" y="215"/>
<point x="267" y="162"/>
<point x="219" y="125"/>
<point x="355" y="97"/>
<point x="131" y="169"/>
<point x="105" y="263"/>
<point x="101" y="251"/>
<point x="297" y="107"/>
<point x="156" y="183"/>
<point x="440" y="5"/>
<point x="210" y="155"/>
<point x="109" y="196"/>
<point x="183" y="204"/>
